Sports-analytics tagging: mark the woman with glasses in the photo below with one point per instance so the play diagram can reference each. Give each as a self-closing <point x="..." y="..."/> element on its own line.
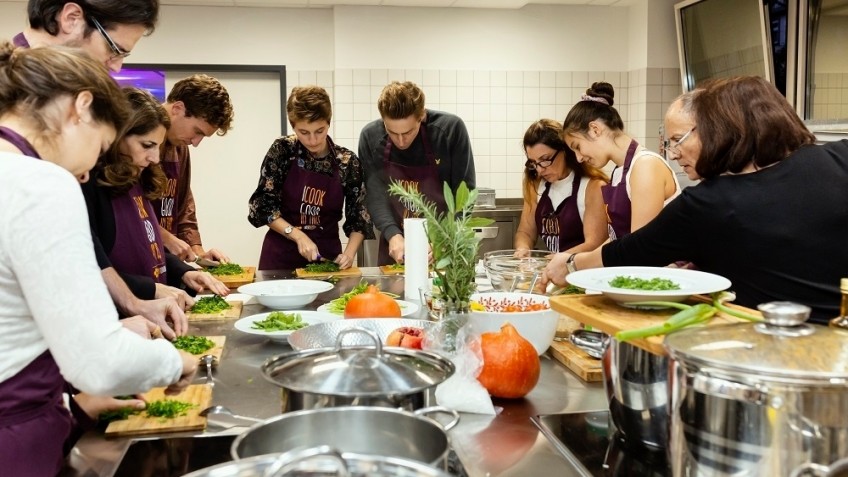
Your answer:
<point x="769" y="211"/>
<point x="563" y="206"/>
<point x="641" y="184"/>
<point x="58" y="112"/>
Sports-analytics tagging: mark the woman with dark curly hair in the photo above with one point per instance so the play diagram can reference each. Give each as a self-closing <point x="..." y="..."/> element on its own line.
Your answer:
<point x="123" y="183"/>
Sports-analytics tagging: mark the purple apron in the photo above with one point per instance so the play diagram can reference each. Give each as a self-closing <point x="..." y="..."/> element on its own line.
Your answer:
<point x="616" y="201"/>
<point x="313" y="202"/>
<point x="167" y="206"/>
<point x="138" y="248"/>
<point x="425" y="179"/>
<point x="34" y="423"/>
<point x="560" y="228"/>
<point x="18" y="141"/>
<point x="20" y="41"/>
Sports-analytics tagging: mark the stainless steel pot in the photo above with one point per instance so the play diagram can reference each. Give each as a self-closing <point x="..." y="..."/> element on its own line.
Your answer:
<point x="758" y="399"/>
<point x="636" y="384"/>
<point x="320" y="461"/>
<point x="836" y="469"/>
<point x="361" y="430"/>
<point x="357" y="376"/>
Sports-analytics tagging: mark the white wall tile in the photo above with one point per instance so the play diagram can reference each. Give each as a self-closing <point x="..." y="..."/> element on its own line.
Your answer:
<point x="531" y="79"/>
<point x="343" y="130"/>
<point x="671" y="76"/>
<point x="416" y="76"/>
<point x="480" y="146"/>
<point x="481" y="79"/>
<point x="497" y="78"/>
<point x="465" y="111"/>
<point x="429" y="78"/>
<point x="548" y="111"/>
<point x="465" y="78"/>
<point x="530" y="95"/>
<point x="374" y="92"/>
<point x="306" y="78"/>
<point x="547" y="96"/>
<point x="499" y="145"/>
<point x="497" y="94"/>
<point x="654" y="76"/>
<point x="361" y="77"/>
<point x="514" y="95"/>
<point x="481" y="164"/>
<point x="325" y="79"/>
<point x="530" y="113"/>
<point x="465" y="94"/>
<point x="547" y="79"/>
<point x="514" y="112"/>
<point x="614" y="78"/>
<point x="396" y="75"/>
<point x="482" y="112"/>
<point x="362" y="94"/>
<point x="563" y="79"/>
<point x="363" y="112"/>
<point x="481" y="128"/>
<point x="379" y="77"/>
<point x="432" y="94"/>
<point x="497" y="129"/>
<point x="342" y="111"/>
<point x="580" y="80"/>
<point x="482" y="95"/>
<point x="343" y="94"/>
<point x="447" y="94"/>
<point x="343" y="76"/>
<point x="483" y="178"/>
<point x="515" y="78"/>
<point x="447" y="78"/>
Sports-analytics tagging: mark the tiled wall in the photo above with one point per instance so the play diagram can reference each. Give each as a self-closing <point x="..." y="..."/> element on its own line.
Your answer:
<point x="497" y="106"/>
<point x="830" y="97"/>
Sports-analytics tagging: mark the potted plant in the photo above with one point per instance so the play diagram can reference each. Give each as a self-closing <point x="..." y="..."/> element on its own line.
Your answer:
<point x="454" y="244"/>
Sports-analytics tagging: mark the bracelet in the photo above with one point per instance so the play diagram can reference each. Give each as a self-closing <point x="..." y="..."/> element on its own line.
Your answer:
<point x="570" y="265"/>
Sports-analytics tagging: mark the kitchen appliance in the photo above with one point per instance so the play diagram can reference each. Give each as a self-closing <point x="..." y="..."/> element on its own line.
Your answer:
<point x="758" y="399"/>
<point x="590" y="444"/>
<point x="485" y="198"/>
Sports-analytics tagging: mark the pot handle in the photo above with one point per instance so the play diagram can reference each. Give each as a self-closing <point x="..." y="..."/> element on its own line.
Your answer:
<point x="714" y="386"/>
<point x="811" y="470"/>
<point x="288" y="460"/>
<point x="439" y="410"/>
<point x="370" y="333"/>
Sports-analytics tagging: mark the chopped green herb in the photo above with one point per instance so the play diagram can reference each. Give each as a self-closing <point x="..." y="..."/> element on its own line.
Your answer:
<point x="117" y="414"/>
<point x="396" y="266"/>
<point x="322" y="267"/>
<point x="569" y="290"/>
<point x="226" y="269"/>
<point x="168" y="408"/>
<point x="280" y="321"/>
<point x="210" y="304"/>
<point x="193" y="344"/>
<point x="634" y="283"/>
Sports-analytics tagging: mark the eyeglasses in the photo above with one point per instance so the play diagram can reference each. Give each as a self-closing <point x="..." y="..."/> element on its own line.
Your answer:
<point x="673" y="146"/>
<point x="117" y="51"/>
<point x="543" y="164"/>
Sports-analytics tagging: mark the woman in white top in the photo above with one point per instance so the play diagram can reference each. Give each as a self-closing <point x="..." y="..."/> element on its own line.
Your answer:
<point x="563" y="206"/>
<point x="59" y="111"/>
<point x="642" y="182"/>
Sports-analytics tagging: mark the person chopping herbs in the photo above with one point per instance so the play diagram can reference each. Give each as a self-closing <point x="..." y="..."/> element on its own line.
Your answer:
<point x="306" y="183"/>
<point x="59" y="323"/>
<point x="563" y="205"/>
<point x="420" y="148"/>
<point x="199" y="106"/>
<point x="767" y="213"/>
<point x="122" y="217"/>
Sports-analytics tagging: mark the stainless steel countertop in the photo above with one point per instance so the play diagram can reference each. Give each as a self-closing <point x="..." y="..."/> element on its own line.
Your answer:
<point x="506" y="445"/>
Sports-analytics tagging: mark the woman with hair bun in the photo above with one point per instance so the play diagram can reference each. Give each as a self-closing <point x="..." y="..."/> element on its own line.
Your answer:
<point x="642" y="182"/>
<point x="59" y="110"/>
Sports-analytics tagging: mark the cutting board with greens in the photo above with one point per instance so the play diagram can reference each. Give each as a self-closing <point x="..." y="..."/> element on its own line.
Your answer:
<point x="214" y="308"/>
<point x="396" y="269"/>
<point x="326" y="269"/>
<point x="233" y="275"/>
<point x="166" y="413"/>
<point x="201" y="345"/>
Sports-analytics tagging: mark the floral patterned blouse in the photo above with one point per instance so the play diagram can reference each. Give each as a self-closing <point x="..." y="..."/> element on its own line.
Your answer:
<point x="288" y="151"/>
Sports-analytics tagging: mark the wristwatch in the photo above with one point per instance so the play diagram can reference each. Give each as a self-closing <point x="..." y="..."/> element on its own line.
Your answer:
<point x="570" y="265"/>
<point x="288" y="230"/>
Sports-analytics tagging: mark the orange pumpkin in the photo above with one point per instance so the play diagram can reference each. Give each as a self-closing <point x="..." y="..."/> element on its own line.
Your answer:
<point x="511" y="365"/>
<point x="372" y="304"/>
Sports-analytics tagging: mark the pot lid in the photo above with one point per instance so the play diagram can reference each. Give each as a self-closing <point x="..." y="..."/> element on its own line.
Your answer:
<point x="782" y="348"/>
<point x="353" y="371"/>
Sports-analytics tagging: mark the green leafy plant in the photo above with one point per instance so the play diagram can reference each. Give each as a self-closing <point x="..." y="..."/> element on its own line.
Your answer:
<point x="451" y="236"/>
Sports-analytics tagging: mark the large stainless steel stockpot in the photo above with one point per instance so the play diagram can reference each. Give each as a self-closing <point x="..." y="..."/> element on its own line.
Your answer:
<point x="320" y="461"/>
<point x="362" y="430"/>
<point x="758" y="399"/>
<point x="357" y="376"/>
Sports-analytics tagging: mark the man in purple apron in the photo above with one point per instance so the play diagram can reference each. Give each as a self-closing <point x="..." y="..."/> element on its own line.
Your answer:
<point x="560" y="228"/>
<point x="422" y="149"/>
<point x="199" y="106"/>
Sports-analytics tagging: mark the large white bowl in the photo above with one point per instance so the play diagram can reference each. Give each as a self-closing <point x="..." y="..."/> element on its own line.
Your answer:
<point x="537" y="327"/>
<point x="286" y="294"/>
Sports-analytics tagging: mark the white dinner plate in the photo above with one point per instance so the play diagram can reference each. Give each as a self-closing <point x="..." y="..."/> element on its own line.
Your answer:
<point x="406" y="308"/>
<point x="691" y="282"/>
<point x="308" y="316"/>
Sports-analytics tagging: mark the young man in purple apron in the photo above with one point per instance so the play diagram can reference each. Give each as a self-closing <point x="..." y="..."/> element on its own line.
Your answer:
<point x="199" y="106"/>
<point x="108" y="38"/>
<point x="422" y="149"/>
<point x="563" y="206"/>
<point x="305" y="183"/>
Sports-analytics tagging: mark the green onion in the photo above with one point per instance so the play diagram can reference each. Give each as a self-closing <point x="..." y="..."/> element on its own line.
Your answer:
<point x="321" y="267"/>
<point x="168" y="408"/>
<point x="663" y="304"/>
<point x="210" y="304"/>
<point x="634" y="283"/>
<point x="193" y="344"/>
<point x="280" y="321"/>
<point x="693" y="315"/>
<point x="117" y="414"/>
<point x="720" y="306"/>
<point x="226" y="269"/>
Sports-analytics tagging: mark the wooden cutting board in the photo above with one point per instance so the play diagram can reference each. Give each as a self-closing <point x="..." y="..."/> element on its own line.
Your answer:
<point x="198" y="394"/>
<point x="609" y="317"/>
<point x="388" y="270"/>
<point x="234" y="312"/>
<point x="348" y="272"/>
<point x="235" y="281"/>
<point x="584" y="366"/>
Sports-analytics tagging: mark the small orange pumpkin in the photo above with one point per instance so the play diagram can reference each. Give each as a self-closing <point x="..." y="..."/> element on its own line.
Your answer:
<point x="511" y="365"/>
<point x="372" y="304"/>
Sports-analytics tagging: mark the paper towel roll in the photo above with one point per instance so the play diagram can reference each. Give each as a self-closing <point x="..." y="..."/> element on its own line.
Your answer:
<point x="415" y="247"/>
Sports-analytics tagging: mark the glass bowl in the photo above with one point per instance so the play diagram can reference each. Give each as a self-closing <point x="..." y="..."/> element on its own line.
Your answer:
<point x="515" y="271"/>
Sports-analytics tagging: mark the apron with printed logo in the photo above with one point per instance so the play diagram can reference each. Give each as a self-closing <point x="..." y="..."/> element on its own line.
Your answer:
<point x="138" y="248"/>
<point x="166" y="207"/>
<point x="560" y="228"/>
<point x="424" y="178"/>
<point x="312" y="201"/>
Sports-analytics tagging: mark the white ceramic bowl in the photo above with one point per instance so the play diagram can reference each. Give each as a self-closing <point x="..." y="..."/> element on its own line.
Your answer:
<point x="286" y="294"/>
<point x="537" y="327"/>
<point x="509" y="271"/>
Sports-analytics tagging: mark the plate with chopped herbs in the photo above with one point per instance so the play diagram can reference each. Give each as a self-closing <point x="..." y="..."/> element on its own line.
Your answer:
<point x="629" y="286"/>
<point x="278" y="325"/>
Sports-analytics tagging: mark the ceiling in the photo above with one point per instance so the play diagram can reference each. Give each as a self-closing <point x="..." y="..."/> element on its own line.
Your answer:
<point x="506" y="4"/>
